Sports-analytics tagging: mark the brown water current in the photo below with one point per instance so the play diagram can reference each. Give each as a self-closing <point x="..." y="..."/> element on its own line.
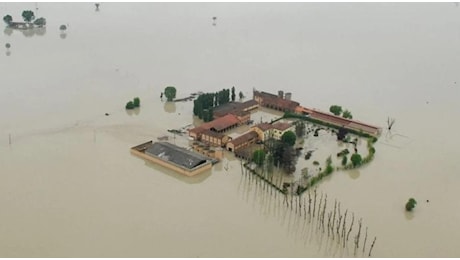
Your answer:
<point x="70" y="188"/>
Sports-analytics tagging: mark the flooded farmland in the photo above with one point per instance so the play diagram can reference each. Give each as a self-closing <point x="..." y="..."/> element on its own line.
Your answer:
<point x="70" y="188"/>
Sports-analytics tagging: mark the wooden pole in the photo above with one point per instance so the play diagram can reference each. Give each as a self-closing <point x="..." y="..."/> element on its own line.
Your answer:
<point x="9" y="139"/>
<point x="372" y="246"/>
<point x="365" y="239"/>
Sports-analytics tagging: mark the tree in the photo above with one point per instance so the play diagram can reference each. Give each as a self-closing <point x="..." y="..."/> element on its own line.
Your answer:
<point x="40" y="22"/>
<point x="137" y="102"/>
<point x="62" y="27"/>
<point x="258" y="157"/>
<point x="410" y="205"/>
<point x="233" y="93"/>
<point x="7" y="19"/>
<point x="28" y="16"/>
<point x="170" y="93"/>
<point x="347" y="114"/>
<point x="241" y="95"/>
<point x="356" y="159"/>
<point x="341" y="134"/>
<point x="7" y="45"/>
<point x="336" y="110"/>
<point x="288" y="138"/>
<point x="300" y="128"/>
<point x="344" y="160"/>
<point x="130" y="105"/>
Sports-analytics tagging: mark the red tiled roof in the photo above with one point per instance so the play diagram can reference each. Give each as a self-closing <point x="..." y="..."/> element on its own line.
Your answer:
<point x="221" y="123"/>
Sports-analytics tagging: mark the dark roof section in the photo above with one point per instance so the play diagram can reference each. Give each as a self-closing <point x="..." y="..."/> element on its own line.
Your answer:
<point x="244" y="138"/>
<point x="271" y="100"/>
<point x="264" y="126"/>
<point x="236" y="108"/>
<point x="175" y="154"/>
<point x="281" y="126"/>
<point x="221" y="123"/>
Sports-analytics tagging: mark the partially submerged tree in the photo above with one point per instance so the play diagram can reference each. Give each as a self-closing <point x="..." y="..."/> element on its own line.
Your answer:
<point x="241" y="95"/>
<point x="347" y="114"/>
<point x="8" y="19"/>
<point x="28" y="16"/>
<point x="129" y="105"/>
<point x="288" y="138"/>
<point x="136" y="102"/>
<point x="356" y="159"/>
<point x="300" y="128"/>
<point x="170" y="93"/>
<point x="40" y="22"/>
<point x="258" y="157"/>
<point x="336" y="110"/>
<point x="410" y="205"/>
<point x="8" y="45"/>
<point x="63" y="27"/>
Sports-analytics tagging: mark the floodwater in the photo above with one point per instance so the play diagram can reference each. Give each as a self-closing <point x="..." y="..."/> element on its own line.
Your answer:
<point x="70" y="188"/>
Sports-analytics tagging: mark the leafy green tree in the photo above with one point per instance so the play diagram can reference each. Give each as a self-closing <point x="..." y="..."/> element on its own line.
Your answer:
<point x="7" y="19"/>
<point x="130" y="105"/>
<point x="7" y="45"/>
<point x="28" y="16"/>
<point x="63" y="27"/>
<point x="344" y="160"/>
<point x="300" y="128"/>
<point x="241" y="95"/>
<point x="410" y="205"/>
<point x="40" y="21"/>
<point x="288" y="138"/>
<point x="258" y="157"/>
<point x="356" y="159"/>
<point x="137" y="102"/>
<point x="336" y="110"/>
<point x="233" y="93"/>
<point x="170" y="93"/>
<point x="347" y="114"/>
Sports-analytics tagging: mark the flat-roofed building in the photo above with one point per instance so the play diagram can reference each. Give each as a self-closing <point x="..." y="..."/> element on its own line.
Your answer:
<point x="213" y="138"/>
<point x="173" y="157"/>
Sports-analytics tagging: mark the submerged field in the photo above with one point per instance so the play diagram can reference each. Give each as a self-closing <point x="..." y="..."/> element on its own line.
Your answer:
<point x="70" y="188"/>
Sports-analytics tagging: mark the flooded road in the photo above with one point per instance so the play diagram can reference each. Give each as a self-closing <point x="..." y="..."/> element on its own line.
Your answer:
<point x="70" y="188"/>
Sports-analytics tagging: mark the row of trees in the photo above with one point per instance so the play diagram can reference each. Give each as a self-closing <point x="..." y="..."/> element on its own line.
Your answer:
<point x="28" y="17"/>
<point x="204" y="104"/>
<point x="337" y="110"/>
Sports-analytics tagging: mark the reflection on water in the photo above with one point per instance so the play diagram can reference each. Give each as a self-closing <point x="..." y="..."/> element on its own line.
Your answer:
<point x="8" y="31"/>
<point x="136" y="111"/>
<point x="8" y="53"/>
<point x="170" y="107"/>
<point x="354" y="173"/>
<point x="186" y="179"/>
<point x="63" y="35"/>
<point x="408" y="214"/>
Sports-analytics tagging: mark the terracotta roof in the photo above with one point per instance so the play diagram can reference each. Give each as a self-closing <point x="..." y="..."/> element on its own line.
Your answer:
<point x="221" y="123"/>
<point x="244" y="138"/>
<point x="281" y="126"/>
<point x="264" y="126"/>
<point x="274" y="100"/>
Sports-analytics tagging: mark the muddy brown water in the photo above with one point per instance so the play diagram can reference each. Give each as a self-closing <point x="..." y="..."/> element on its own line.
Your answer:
<point x="69" y="186"/>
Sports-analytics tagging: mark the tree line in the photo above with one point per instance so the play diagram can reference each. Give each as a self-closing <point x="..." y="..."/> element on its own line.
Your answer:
<point x="204" y="104"/>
